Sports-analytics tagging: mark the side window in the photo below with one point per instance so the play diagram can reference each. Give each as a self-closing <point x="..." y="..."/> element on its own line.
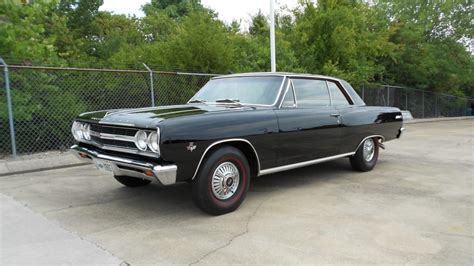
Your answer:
<point x="289" y="101"/>
<point x="311" y="92"/>
<point x="338" y="98"/>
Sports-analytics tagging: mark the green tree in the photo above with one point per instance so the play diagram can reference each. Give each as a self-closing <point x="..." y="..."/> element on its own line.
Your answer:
<point x="340" y="38"/>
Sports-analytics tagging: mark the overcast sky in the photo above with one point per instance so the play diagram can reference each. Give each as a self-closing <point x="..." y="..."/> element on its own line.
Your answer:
<point x="228" y="10"/>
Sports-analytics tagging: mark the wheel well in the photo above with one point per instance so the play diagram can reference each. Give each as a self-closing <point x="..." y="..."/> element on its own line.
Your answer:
<point x="380" y="138"/>
<point x="246" y="149"/>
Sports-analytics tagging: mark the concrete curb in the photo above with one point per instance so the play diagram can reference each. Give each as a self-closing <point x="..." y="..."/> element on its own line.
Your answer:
<point x="27" y="164"/>
<point x="56" y="160"/>
<point x="432" y="120"/>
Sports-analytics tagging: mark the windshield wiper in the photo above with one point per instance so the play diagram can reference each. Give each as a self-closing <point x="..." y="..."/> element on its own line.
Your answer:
<point x="197" y="101"/>
<point x="236" y="101"/>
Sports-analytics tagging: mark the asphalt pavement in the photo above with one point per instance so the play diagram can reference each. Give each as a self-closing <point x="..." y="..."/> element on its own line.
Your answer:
<point x="415" y="207"/>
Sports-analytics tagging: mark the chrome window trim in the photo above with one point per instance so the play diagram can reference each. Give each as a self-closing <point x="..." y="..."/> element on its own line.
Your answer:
<point x="326" y="79"/>
<point x="295" y="101"/>
<point x="330" y="94"/>
<point x="250" y="104"/>
<point x="294" y="91"/>
<point x="224" y="141"/>
<point x="344" y="94"/>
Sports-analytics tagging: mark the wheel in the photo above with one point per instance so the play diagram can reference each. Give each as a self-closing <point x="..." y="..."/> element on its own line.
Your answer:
<point x="132" y="181"/>
<point x="222" y="182"/>
<point x="366" y="155"/>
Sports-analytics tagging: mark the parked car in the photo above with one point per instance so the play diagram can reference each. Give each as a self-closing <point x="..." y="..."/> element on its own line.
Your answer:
<point x="237" y="127"/>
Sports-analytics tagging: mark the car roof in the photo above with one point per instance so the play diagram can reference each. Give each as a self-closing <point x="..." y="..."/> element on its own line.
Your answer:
<point x="277" y="74"/>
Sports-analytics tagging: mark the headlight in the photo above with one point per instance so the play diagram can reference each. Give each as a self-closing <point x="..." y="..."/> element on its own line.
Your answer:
<point x="77" y="131"/>
<point x="141" y="140"/>
<point x="86" y="131"/>
<point x="154" y="141"/>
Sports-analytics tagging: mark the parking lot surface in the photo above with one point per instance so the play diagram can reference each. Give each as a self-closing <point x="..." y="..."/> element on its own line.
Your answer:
<point x="415" y="207"/>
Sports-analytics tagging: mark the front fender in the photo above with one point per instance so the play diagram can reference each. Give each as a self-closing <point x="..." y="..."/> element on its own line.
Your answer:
<point x="184" y="141"/>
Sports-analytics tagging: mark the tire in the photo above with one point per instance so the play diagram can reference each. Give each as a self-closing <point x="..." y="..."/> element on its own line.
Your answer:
<point x="366" y="163"/>
<point x="132" y="181"/>
<point x="228" y="168"/>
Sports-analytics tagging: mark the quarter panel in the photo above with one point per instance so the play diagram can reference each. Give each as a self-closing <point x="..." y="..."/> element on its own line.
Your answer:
<point x="360" y="122"/>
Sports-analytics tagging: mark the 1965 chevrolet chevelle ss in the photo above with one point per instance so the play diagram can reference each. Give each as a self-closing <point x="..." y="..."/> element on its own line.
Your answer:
<point x="234" y="128"/>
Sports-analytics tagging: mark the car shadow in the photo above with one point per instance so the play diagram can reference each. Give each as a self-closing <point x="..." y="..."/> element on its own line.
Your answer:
<point x="176" y="200"/>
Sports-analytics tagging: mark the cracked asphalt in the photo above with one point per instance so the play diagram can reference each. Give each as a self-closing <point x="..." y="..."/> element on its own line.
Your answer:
<point x="416" y="207"/>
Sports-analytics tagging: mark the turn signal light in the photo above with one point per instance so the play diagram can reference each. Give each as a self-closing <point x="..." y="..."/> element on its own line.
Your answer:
<point x="149" y="173"/>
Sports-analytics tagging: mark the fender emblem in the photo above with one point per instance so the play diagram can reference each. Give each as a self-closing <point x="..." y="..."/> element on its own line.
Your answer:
<point x="191" y="147"/>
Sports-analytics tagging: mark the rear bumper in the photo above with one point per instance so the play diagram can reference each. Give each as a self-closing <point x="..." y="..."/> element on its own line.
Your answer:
<point x="163" y="174"/>
<point x="400" y="132"/>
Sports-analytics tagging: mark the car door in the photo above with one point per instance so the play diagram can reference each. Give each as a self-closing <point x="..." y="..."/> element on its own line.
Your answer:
<point x="350" y="135"/>
<point x="308" y="123"/>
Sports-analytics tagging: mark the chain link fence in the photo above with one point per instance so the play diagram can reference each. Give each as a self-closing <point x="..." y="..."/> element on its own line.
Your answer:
<point x="45" y="100"/>
<point x="421" y="103"/>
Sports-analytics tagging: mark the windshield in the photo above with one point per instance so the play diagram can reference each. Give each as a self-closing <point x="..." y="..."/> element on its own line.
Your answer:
<point x="244" y="90"/>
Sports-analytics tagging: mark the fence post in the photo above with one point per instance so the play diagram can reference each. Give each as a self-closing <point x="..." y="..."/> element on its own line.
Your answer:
<point x="363" y="92"/>
<point x="9" y="106"/>
<point x="406" y="99"/>
<point x="423" y="103"/>
<point x="152" y="88"/>
<point x="388" y="96"/>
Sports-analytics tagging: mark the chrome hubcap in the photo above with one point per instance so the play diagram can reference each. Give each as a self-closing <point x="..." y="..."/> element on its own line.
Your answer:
<point x="225" y="180"/>
<point x="368" y="150"/>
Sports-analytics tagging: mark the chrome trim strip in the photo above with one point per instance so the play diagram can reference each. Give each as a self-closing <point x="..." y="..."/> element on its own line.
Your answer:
<point x="120" y="138"/>
<point x="224" y="141"/>
<point x="372" y="136"/>
<point x="295" y="101"/>
<point x="119" y="149"/>
<point x="164" y="174"/>
<point x="302" y="164"/>
<point x="347" y="92"/>
<point x="329" y="92"/>
<point x="400" y="132"/>
<point x="115" y="137"/>
<point x="316" y="161"/>
<point x="115" y="124"/>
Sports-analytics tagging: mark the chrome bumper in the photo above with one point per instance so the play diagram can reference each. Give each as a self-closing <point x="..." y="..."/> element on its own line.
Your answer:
<point x="164" y="174"/>
<point x="400" y="132"/>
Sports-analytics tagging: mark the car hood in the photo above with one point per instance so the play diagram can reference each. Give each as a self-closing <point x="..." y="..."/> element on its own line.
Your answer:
<point x="150" y="117"/>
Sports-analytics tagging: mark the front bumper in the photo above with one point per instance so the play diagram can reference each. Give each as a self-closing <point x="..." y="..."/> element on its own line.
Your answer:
<point x="163" y="174"/>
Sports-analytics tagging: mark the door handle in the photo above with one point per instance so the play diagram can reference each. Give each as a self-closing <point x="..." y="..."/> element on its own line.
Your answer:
<point x="334" y="115"/>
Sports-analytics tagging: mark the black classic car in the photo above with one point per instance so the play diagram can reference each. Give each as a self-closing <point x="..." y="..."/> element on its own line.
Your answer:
<point x="237" y="127"/>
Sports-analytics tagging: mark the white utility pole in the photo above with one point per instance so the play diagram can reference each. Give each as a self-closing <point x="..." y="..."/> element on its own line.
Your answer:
<point x="272" y="35"/>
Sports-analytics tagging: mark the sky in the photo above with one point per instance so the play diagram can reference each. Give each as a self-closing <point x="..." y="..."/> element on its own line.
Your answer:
<point x="228" y="9"/>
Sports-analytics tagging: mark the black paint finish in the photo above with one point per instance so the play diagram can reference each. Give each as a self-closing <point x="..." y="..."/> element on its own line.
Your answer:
<point x="280" y="136"/>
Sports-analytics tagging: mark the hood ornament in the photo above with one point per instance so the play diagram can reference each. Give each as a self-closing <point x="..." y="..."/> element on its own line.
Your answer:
<point x="191" y="147"/>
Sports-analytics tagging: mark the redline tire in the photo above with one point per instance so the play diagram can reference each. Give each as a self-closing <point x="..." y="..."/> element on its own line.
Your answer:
<point x="206" y="197"/>
<point x="359" y="162"/>
<point x="132" y="181"/>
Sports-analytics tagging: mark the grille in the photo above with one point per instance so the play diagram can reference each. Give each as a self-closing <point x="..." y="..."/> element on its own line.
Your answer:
<point x="112" y="142"/>
<point x="113" y="130"/>
<point x="116" y="138"/>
